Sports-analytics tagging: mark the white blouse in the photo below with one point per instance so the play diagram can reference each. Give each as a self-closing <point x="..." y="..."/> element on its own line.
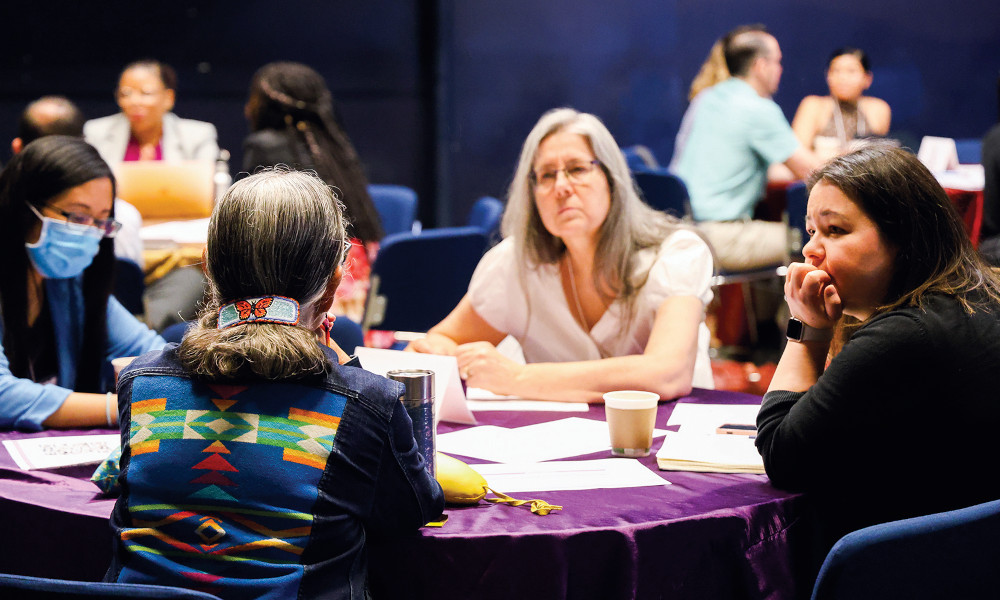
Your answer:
<point x="528" y="303"/>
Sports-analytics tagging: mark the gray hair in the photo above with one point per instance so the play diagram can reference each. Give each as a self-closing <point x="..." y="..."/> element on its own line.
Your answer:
<point x="275" y="233"/>
<point x="631" y="225"/>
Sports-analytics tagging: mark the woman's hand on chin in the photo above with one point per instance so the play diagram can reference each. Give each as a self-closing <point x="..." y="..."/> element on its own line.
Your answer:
<point x="812" y="297"/>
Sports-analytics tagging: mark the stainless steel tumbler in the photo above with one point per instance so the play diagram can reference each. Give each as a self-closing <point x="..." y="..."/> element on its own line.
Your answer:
<point x="418" y="400"/>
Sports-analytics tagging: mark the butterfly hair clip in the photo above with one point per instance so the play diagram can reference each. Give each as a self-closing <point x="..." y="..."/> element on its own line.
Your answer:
<point x="264" y="309"/>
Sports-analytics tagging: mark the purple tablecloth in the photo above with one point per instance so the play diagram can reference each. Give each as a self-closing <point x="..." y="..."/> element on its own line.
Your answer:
<point x="705" y="536"/>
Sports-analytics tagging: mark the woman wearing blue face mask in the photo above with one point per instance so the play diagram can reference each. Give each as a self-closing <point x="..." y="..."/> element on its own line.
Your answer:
<point x="59" y="326"/>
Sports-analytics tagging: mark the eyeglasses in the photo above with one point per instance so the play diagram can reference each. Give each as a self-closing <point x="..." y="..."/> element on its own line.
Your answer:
<point x="109" y="227"/>
<point x="576" y="174"/>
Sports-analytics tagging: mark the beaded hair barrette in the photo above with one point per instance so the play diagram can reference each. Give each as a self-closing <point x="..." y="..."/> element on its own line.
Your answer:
<point x="264" y="309"/>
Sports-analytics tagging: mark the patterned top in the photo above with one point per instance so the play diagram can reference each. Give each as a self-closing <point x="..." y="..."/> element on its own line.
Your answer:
<point x="254" y="491"/>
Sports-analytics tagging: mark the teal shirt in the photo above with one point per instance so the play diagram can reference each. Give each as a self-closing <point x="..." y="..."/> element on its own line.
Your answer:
<point x="729" y="136"/>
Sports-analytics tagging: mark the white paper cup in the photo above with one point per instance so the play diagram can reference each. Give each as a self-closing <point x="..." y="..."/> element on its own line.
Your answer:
<point x="631" y="417"/>
<point x="118" y="364"/>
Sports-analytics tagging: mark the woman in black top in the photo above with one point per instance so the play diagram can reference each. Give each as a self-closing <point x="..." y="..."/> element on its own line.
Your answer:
<point x="893" y="422"/>
<point x="294" y="122"/>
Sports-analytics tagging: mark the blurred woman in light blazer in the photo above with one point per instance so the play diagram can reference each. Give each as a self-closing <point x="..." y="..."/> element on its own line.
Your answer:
<point x="145" y="129"/>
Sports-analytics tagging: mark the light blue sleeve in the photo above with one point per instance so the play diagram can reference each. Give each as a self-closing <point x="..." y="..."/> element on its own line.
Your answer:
<point x="24" y="404"/>
<point x="770" y="134"/>
<point x="126" y="335"/>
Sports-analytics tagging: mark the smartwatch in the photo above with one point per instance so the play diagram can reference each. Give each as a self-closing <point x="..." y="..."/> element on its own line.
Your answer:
<point x="800" y="332"/>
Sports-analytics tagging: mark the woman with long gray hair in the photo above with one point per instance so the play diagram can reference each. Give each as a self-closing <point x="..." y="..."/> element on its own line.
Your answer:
<point x="253" y="463"/>
<point x="602" y="292"/>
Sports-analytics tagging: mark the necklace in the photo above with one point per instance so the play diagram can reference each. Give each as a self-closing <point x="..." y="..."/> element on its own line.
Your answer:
<point x="576" y="298"/>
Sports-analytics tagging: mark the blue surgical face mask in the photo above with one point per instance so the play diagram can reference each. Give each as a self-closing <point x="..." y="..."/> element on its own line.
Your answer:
<point x="63" y="250"/>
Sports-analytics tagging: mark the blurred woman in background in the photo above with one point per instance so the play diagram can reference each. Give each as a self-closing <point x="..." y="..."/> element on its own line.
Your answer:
<point x="293" y="121"/>
<point x="145" y="129"/>
<point x="827" y="124"/>
<point x="60" y="326"/>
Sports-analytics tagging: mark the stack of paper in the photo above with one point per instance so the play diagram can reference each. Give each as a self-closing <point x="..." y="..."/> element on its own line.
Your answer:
<point x="698" y="446"/>
<point x="709" y="453"/>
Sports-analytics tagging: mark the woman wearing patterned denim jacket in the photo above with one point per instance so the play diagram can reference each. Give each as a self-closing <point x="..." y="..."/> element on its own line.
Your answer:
<point x="253" y="464"/>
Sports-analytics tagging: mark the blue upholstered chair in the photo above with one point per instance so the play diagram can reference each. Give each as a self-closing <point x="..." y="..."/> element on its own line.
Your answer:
<point x="396" y="206"/>
<point x="663" y="191"/>
<point x="796" y="201"/>
<point x="639" y="157"/>
<point x="417" y="279"/>
<point x="486" y="214"/>
<point x="38" y="588"/>
<point x="953" y="554"/>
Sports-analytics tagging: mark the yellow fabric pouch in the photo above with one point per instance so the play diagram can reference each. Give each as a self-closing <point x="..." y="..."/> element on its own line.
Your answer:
<point x="463" y="485"/>
<point x="460" y="482"/>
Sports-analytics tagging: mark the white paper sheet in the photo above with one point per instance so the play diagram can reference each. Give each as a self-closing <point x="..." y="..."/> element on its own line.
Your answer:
<point x="480" y="399"/>
<point x="605" y="473"/>
<point x="564" y="438"/>
<point x="449" y="399"/>
<point x="706" y="418"/>
<point x="519" y="405"/>
<point x="971" y="178"/>
<point x="61" y="451"/>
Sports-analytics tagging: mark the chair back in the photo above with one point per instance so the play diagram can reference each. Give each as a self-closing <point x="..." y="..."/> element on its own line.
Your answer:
<point x="40" y="588"/>
<point x="417" y="279"/>
<point x="953" y="554"/>
<point x="396" y="206"/>
<point x="639" y="157"/>
<point x="663" y="191"/>
<point x="796" y="201"/>
<point x="969" y="150"/>
<point x="130" y="285"/>
<point x="347" y="334"/>
<point x="164" y="191"/>
<point x="486" y="214"/>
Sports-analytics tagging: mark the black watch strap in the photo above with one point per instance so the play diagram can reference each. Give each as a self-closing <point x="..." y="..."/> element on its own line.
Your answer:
<point x="800" y="332"/>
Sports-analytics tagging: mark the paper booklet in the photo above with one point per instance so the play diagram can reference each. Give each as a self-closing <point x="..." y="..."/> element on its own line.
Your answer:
<point x="449" y="398"/>
<point x="709" y="453"/>
<point x="61" y="451"/>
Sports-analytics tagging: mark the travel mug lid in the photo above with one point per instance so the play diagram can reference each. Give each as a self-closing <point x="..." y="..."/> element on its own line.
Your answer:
<point x="417" y="383"/>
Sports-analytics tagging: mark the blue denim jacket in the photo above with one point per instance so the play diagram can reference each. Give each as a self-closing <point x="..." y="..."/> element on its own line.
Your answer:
<point x="262" y="489"/>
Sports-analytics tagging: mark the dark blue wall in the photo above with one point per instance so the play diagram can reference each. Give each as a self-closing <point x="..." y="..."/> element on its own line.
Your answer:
<point x="631" y="64"/>
<point x="440" y="94"/>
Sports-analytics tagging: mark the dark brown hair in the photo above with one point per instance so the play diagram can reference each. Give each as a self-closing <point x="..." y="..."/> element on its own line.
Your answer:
<point x="914" y="215"/>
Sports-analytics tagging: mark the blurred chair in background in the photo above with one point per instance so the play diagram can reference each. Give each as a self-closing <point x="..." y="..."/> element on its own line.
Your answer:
<point x="639" y="157"/>
<point x="486" y="214"/>
<point x="663" y="191"/>
<point x="417" y="279"/>
<point x="396" y="206"/>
